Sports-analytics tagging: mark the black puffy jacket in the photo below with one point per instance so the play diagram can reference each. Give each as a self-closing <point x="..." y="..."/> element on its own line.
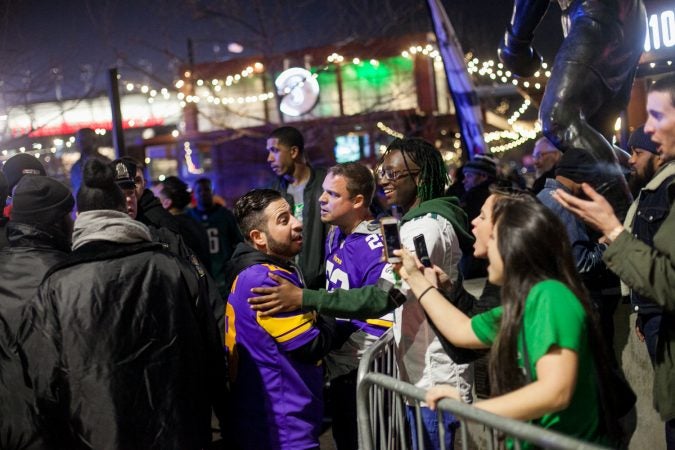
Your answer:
<point x="123" y="352"/>
<point x="30" y="254"/>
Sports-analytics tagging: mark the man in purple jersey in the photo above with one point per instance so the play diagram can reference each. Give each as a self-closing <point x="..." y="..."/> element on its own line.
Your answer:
<point x="275" y="362"/>
<point x="354" y="249"/>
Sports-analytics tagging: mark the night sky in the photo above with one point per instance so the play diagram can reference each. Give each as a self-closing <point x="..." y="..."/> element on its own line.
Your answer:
<point x="73" y="43"/>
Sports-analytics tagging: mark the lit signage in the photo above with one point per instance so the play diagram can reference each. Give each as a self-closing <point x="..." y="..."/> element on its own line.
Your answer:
<point x="660" y="30"/>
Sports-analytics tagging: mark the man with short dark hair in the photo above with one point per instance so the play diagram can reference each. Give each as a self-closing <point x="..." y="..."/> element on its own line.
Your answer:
<point x="276" y="377"/>
<point x="300" y="183"/>
<point x="39" y="234"/>
<point x="221" y="230"/>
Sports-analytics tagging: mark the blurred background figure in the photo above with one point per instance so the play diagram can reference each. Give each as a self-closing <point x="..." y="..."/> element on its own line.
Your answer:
<point x="175" y="197"/>
<point x="221" y="230"/>
<point x="546" y="156"/>
<point x="86" y="141"/>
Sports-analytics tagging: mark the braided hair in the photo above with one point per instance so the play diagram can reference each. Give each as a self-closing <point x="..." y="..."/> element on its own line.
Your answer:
<point x="433" y="177"/>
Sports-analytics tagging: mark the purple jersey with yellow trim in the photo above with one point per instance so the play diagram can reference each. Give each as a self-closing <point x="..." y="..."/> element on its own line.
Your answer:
<point x="355" y="260"/>
<point x="276" y="400"/>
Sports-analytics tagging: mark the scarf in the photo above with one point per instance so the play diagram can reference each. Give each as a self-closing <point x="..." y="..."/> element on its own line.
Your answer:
<point x="108" y="225"/>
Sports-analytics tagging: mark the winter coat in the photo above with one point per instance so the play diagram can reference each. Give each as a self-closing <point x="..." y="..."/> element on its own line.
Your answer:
<point x="30" y="254"/>
<point x="650" y="271"/>
<point x="123" y="352"/>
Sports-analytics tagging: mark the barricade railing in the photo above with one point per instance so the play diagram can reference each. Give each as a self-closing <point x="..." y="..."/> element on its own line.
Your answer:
<point x="381" y="406"/>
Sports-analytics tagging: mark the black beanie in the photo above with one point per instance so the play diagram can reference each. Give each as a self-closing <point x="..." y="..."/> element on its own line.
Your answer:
<point x="40" y="200"/>
<point x="640" y="139"/>
<point x="579" y="166"/>
<point x="19" y="165"/>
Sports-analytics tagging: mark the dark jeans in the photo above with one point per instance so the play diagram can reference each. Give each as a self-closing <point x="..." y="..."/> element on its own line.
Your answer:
<point x="431" y="436"/>
<point x="649" y="325"/>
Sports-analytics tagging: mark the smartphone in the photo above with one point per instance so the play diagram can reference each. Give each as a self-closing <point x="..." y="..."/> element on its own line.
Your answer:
<point x="421" y="250"/>
<point x="392" y="239"/>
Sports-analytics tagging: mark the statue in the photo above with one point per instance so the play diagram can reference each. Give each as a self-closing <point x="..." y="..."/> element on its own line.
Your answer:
<point x="591" y="77"/>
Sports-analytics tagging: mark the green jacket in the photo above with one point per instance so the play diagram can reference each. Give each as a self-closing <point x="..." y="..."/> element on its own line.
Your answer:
<point x="651" y="272"/>
<point x="375" y="301"/>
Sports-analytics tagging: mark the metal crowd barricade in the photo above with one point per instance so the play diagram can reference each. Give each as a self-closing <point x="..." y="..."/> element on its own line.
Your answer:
<point x="381" y="400"/>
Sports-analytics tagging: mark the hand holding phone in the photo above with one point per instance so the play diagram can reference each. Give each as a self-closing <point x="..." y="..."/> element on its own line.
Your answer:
<point x="392" y="239"/>
<point x="421" y="250"/>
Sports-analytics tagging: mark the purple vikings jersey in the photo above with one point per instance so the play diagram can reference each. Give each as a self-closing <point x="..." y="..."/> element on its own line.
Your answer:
<point x="354" y="261"/>
<point x="276" y="400"/>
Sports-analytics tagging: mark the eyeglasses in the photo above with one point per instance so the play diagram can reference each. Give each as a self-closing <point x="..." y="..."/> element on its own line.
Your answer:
<point x="393" y="175"/>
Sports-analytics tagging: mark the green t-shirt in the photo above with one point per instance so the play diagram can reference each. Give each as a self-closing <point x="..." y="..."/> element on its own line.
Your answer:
<point x="554" y="316"/>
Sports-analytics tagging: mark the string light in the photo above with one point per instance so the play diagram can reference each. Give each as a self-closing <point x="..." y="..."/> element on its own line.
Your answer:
<point x="516" y="115"/>
<point x="389" y="131"/>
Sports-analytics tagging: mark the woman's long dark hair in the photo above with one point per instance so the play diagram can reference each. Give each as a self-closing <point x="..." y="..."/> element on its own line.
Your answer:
<point x="534" y="247"/>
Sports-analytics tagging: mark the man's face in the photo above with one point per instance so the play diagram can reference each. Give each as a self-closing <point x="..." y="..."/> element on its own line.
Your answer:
<point x="132" y="201"/>
<point x="398" y="182"/>
<point x="284" y="232"/>
<point x="280" y="157"/>
<point x="139" y="181"/>
<point x="545" y="156"/>
<point x="661" y="124"/>
<point x="337" y="206"/>
<point x="204" y="195"/>
<point x="473" y="179"/>
<point x="643" y="166"/>
<point x="482" y="228"/>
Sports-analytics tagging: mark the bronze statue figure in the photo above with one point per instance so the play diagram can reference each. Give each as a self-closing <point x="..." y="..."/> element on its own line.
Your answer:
<point x="591" y="77"/>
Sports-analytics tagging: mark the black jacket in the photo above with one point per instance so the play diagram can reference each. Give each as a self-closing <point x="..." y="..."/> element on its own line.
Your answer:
<point x="151" y="212"/>
<point x="312" y="258"/>
<point x="30" y="254"/>
<point x="122" y="351"/>
<point x="3" y="232"/>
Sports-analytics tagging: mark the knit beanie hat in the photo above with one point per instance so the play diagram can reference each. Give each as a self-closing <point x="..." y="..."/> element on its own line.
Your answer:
<point x="19" y="165"/>
<point x="578" y="165"/>
<point x="482" y="164"/>
<point x="40" y="200"/>
<point x="640" y="139"/>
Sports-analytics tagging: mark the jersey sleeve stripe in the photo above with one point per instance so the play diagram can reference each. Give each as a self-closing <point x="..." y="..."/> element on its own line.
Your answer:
<point x="283" y="329"/>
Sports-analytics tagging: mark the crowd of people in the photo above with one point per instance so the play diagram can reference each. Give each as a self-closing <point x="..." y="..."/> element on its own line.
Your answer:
<point x="146" y="321"/>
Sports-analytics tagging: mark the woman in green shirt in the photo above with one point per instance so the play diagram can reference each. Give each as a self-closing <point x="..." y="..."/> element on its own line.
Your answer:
<point x="552" y="380"/>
